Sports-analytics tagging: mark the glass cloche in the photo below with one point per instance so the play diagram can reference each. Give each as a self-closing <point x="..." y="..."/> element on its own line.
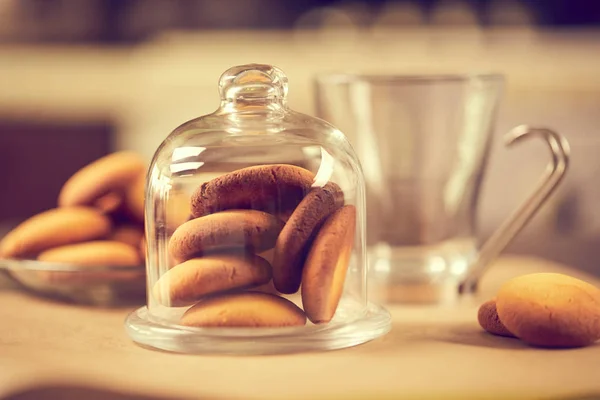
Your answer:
<point x="255" y="231"/>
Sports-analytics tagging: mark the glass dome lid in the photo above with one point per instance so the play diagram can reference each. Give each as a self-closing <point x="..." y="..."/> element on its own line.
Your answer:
<point x="255" y="230"/>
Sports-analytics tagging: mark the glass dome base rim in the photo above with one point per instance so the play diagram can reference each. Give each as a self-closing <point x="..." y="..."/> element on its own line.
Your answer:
<point x="149" y="334"/>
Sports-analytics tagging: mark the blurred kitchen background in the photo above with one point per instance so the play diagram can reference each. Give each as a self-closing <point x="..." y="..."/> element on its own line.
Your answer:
<point x="81" y="78"/>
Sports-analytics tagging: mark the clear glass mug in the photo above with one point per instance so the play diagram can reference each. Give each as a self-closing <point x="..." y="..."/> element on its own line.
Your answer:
<point x="424" y="142"/>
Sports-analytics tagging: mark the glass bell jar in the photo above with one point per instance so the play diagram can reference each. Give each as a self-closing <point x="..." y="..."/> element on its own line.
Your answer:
<point x="255" y="231"/>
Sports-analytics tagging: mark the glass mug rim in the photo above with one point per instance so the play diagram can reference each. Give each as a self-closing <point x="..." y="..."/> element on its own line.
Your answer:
<point x="399" y="78"/>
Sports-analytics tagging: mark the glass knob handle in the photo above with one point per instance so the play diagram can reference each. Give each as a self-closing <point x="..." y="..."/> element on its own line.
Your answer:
<point x="253" y="83"/>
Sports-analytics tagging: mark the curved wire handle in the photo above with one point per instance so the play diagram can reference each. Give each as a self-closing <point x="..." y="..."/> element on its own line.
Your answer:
<point x="555" y="172"/>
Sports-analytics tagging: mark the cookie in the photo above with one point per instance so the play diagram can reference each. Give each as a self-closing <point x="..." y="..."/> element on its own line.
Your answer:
<point x="110" y="174"/>
<point x="246" y="309"/>
<point x="276" y="189"/>
<point x="92" y="254"/>
<point x="325" y="269"/>
<point x="194" y="279"/>
<point x="99" y="253"/>
<point x="128" y="234"/>
<point x="253" y="230"/>
<point x="550" y="310"/>
<point x="490" y="321"/>
<point x="52" y="228"/>
<point x="296" y="236"/>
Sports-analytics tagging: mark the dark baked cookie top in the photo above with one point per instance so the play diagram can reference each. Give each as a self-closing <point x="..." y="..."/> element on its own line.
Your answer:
<point x="294" y="241"/>
<point x="276" y="189"/>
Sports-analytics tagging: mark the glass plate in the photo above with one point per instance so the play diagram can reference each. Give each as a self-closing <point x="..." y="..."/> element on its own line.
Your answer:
<point x="96" y="286"/>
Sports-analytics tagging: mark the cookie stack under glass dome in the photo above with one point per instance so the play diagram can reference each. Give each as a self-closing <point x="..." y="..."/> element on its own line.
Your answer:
<point x="271" y="255"/>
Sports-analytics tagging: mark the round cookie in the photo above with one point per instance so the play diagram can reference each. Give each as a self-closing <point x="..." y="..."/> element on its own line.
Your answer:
<point x="276" y="189"/>
<point x="194" y="279"/>
<point x="55" y="227"/>
<point x="109" y="174"/>
<point x="296" y="236"/>
<point x="253" y="230"/>
<point x="550" y="310"/>
<point x="92" y="254"/>
<point x="128" y="234"/>
<point x="325" y="269"/>
<point x="100" y="253"/>
<point x="246" y="309"/>
<point x="488" y="319"/>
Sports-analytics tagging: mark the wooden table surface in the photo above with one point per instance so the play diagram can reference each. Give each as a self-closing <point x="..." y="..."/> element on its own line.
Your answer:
<point x="52" y="349"/>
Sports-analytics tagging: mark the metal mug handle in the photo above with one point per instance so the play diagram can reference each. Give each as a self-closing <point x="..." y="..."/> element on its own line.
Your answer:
<point x="555" y="172"/>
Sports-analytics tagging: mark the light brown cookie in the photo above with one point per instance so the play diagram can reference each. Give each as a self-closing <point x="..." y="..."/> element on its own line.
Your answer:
<point x="550" y="310"/>
<point x="488" y="319"/>
<point x="96" y="253"/>
<point x="53" y="228"/>
<point x="325" y="269"/>
<point x="246" y="309"/>
<point x="194" y="279"/>
<point x="293" y="243"/>
<point x="276" y="189"/>
<point x="110" y="174"/>
<point x="92" y="254"/>
<point x="253" y="230"/>
<point x="128" y="234"/>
